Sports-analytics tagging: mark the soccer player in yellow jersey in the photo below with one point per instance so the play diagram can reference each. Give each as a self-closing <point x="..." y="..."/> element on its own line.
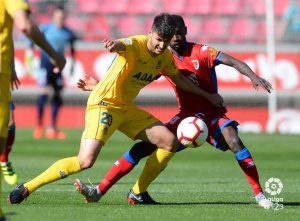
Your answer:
<point x="16" y="12"/>
<point x="110" y="107"/>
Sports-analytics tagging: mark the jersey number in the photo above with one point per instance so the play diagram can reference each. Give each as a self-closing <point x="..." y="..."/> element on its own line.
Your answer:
<point x="106" y="119"/>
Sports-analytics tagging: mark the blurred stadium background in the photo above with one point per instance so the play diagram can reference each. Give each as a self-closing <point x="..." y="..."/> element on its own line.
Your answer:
<point x="237" y="27"/>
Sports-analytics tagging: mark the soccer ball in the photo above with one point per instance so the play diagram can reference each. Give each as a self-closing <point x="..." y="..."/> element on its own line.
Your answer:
<point x="192" y="132"/>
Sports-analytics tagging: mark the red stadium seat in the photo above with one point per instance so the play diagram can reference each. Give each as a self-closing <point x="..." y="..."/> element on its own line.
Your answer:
<point x="228" y="7"/>
<point x="198" y="7"/>
<point x="85" y="6"/>
<point x="174" y="6"/>
<point x="112" y="6"/>
<point x="240" y="31"/>
<point x="212" y="30"/>
<point x="96" y="29"/>
<point x="128" y="25"/>
<point x="147" y="25"/>
<point x="74" y="22"/>
<point x="193" y="30"/>
<point x="142" y="6"/>
<point x="260" y="31"/>
<point x="258" y="7"/>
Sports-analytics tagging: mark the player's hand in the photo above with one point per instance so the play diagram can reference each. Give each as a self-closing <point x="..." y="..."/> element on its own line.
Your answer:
<point x="87" y="84"/>
<point x="59" y="61"/>
<point x="113" y="46"/>
<point x="216" y="100"/>
<point x="14" y="81"/>
<point x="110" y="45"/>
<point x="260" y="82"/>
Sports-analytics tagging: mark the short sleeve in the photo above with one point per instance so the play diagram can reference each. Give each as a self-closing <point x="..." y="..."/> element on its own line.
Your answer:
<point x="209" y="56"/>
<point x="127" y="42"/>
<point x="13" y="6"/>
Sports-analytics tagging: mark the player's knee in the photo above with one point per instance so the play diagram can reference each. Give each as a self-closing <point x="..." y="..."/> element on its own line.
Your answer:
<point x="86" y="163"/>
<point x="168" y="143"/>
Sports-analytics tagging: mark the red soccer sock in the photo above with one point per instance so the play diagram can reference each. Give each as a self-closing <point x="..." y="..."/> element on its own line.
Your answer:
<point x="251" y="174"/>
<point x="120" y="168"/>
<point x="9" y="142"/>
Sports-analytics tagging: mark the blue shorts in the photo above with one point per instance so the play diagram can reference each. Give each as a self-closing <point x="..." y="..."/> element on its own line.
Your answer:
<point x="46" y="77"/>
<point x="12" y="106"/>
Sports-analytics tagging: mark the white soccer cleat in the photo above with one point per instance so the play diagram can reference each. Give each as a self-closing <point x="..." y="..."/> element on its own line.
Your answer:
<point x="89" y="192"/>
<point x="263" y="201"/>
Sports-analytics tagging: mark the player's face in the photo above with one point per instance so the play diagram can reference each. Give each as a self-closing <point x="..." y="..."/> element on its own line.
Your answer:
<point x="156" y="44"/>
<point x="179" y="39"/>
<point x="59" y="18"/>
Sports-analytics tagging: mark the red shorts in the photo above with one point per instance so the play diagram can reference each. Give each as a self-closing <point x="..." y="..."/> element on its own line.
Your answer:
<point x="215" y="126"/>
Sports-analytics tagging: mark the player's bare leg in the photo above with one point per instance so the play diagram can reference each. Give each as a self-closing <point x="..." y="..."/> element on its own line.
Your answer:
<point x="89" y="150"/>
<point x="88" y="153"/>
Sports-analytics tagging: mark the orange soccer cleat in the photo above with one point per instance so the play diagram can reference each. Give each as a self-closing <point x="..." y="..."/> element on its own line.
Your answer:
<point x="53" y="133"/>
<point x="38" y="132"/>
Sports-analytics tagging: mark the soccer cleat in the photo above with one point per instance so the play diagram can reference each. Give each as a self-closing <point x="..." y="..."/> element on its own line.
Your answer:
<point x="38" y="132"/>
<point x="18" y="194"/>
<point x="9" y="174"/>
<point x="52" y="133"/>
<point x="141" y="198"/>
<point x="263" y="201"/>
<point x="89" y="192"/>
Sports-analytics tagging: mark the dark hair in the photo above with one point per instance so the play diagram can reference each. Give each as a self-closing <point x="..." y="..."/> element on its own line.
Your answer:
<point x="60" y="8"/>
<point x="164" y="25"/>
<point x="178" y="19"/>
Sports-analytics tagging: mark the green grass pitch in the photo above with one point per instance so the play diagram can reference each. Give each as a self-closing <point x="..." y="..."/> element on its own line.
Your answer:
<point x="199" y="184"/>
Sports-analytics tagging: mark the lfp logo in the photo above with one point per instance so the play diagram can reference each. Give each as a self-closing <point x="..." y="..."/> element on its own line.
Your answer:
<point x="273" y="186"/>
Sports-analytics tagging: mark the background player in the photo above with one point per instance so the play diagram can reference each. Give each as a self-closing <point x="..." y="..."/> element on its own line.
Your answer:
<point x="59" y="36"/>
<point x="110" y="107"/>
<point x="197" y="62"/>
<point x="16" y="12"/>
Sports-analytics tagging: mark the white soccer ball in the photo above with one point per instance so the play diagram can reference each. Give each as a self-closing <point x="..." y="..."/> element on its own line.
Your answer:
<point x="192" y="132"/>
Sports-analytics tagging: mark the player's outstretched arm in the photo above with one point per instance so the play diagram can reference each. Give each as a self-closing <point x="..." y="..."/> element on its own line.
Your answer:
<point x="113" y="45"/>
<point x="244" y="69"/>
<point x="30" y="29"/>
<point x="87" y="84"/>
<point x="185" y="84"/>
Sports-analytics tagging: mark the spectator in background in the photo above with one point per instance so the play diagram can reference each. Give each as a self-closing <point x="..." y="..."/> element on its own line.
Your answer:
<point x="290" y="25"/>
<point x="16" y="12"/>
<point x="58" y="36"/>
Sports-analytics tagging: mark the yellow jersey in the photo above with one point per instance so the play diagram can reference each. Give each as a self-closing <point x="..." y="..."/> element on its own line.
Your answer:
<point x="7" y="10"/>
<point x="130" y="71"/>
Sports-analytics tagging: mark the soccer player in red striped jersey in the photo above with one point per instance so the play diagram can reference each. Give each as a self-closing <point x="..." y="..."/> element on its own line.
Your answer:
<point x="197" y="62"/>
